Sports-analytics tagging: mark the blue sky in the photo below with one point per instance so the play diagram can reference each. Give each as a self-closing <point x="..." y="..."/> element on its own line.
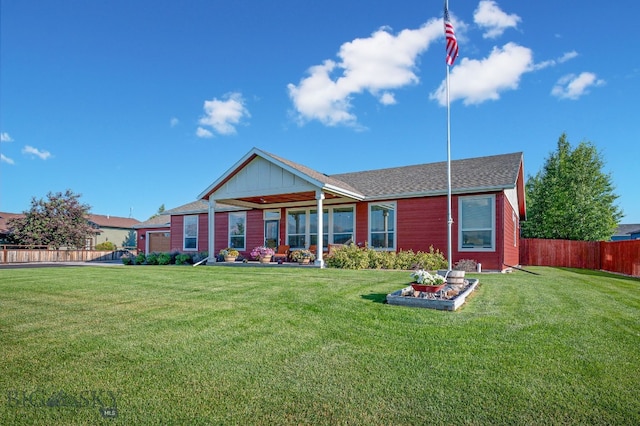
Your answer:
<point x="135" y="104"/>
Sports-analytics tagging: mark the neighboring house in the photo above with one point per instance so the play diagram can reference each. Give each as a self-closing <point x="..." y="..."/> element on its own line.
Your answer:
<point x="4" y="230"/>
<point x="627" y="232"/>
<point x="154" y="235"/>
<point x="112" y="228"/>
<point x="266" y="199"/>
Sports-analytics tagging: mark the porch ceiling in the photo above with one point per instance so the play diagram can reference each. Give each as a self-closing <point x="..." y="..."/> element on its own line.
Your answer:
<point x="293" y="197"/>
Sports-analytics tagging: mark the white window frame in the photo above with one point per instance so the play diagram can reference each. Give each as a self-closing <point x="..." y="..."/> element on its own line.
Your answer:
<point x="243" y="216"/>
<point x="515" y="228"/>
<point x="461" y="230"/>
<point x="271" y="214"/>
<point x="307" y="211"/>
<point x="185" y="236"/>
<point x="394" y="231"/>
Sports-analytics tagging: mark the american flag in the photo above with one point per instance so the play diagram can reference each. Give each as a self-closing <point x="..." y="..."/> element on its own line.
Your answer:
<point x="452" y="43"/>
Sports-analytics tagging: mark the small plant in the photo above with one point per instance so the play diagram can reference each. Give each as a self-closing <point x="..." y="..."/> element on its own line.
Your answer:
<point x="152" y="259"/>
<point x="301" y="255"/>
<point x="105" y="246"/>
<point x="126" y="260"/>
<point x="467" y="265"/>
<point x="262" y="251"/>
<point x="183" y="259"/>
<point x="197" y="257"/>
<point x="421" y="276"/>
<point x="229" y="252"/>
<point x="164" y="259"/>
<point x="141" y="259"/>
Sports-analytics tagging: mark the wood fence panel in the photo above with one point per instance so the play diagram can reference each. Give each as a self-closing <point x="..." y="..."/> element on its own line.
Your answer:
<point x="622" y="257"/>
<point x="571" y="254"/>
<point x="613" y="256"/>
<point x="13" y="255"/>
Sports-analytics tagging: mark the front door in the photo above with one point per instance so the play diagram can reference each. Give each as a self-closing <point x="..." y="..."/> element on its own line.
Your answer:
<point x="271" y="233"/>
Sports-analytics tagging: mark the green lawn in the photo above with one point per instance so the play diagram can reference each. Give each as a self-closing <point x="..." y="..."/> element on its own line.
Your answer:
<point x="230" y="345"/>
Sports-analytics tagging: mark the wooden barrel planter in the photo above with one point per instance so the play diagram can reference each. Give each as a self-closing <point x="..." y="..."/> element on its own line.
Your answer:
<point x="453" y="277"/>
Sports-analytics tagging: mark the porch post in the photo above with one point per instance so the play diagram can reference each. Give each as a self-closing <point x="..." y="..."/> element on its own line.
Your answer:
<point x="212" y="231"/>
<point x="319" y="261"/>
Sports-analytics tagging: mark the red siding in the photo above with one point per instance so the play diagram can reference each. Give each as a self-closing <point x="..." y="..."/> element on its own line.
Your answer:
<point x="255" y="231"/>
<point x="511" y="231"/>
<point x="203" y="232"/>
<point x="177" y="231"/>
<point x="222" y="231"/>
<point x="422" y="222"/>
<point x="362" y="223"/>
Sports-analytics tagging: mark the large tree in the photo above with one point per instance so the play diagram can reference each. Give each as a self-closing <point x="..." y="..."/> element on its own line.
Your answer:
<point x="59" y="221"/>
<point x="571" y="198"/>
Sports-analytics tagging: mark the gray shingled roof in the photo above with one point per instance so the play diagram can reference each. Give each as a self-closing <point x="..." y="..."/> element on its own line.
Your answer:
<point x="497" y="171"/>
<point x="625" y="229"/>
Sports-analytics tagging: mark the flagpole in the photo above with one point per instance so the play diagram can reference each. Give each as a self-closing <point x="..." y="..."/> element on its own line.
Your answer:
<point x="449" y="218"/>
<point x="452" y="53"/>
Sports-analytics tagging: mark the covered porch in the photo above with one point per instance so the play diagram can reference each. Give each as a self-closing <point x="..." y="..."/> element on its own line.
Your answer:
<point x="287" y="197"/>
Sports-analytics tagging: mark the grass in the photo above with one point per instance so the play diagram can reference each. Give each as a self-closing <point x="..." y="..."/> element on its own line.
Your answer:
<point x="183" y="345"/>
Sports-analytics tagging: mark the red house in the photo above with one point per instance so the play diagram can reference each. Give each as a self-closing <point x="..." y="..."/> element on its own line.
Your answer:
<point x="267" y="199"/>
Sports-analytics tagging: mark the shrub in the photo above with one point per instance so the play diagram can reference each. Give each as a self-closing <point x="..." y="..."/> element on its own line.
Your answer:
<point x="152" y="259"/>
<point x="126" y="260"/>
<point x="430" y="261"/>
<point x="106" y="246"/>
<point x="354" y="257"/>
<point x="467" y="265"/>
<point x="183" y="259"/>
<point x="349" y="257"/>
<point x="197" y="257"/>
<point x="164" y="259"/>
<point x="141" y="259"/>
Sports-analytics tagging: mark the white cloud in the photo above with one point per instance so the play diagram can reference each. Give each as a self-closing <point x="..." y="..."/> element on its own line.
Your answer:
<point x="375" y="64"/>
<point x="572" y="87"/>
<point x="223" y="115"/>
<point x="476" y="81"/>
<point x="388" y="98"/>
<point x="553" y="62"/>
<point x="568" y="56"/>
<point x="7" y="160"/>
<point x="4" y="137"/>
<point x="489" y="16"/>
<point x="43" y="155"/>
<point x="174" y="122"/>
<point x="203" y="133"/>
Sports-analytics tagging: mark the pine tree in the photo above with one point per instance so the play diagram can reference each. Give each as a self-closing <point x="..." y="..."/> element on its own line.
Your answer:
<point x="571" y="197"/>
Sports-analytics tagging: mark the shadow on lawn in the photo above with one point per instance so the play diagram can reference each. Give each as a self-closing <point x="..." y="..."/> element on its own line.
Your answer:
<point x="375" y="297"/>
<point x="600" y="273"/>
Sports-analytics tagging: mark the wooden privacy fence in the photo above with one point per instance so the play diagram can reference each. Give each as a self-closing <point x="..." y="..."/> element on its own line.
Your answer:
<point x="10" y="254"/>
<point x="613" y="256"/>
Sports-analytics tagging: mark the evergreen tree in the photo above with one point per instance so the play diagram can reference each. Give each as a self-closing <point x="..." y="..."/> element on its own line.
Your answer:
<point x="571" y="198"/>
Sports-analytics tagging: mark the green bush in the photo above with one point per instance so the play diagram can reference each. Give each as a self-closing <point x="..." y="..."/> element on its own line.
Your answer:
<point x="127" y="260"/>
<point x="183" y="259"/>
<point x="140" y="259"/>
<point x="197" y="257"/>
<point x="106" y="246"/>
<point x="354" y="257"/>
<point x="152" y="259"/>
<point x="349" y="257"/>
<point x="164" y="259"/>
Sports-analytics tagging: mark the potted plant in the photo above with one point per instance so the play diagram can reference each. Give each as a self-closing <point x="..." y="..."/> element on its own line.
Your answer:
<point x="424" y="281"/>
<point x="262" y="253"/>
<point x="230" y="254"/>
<point x="302" y="256"/>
